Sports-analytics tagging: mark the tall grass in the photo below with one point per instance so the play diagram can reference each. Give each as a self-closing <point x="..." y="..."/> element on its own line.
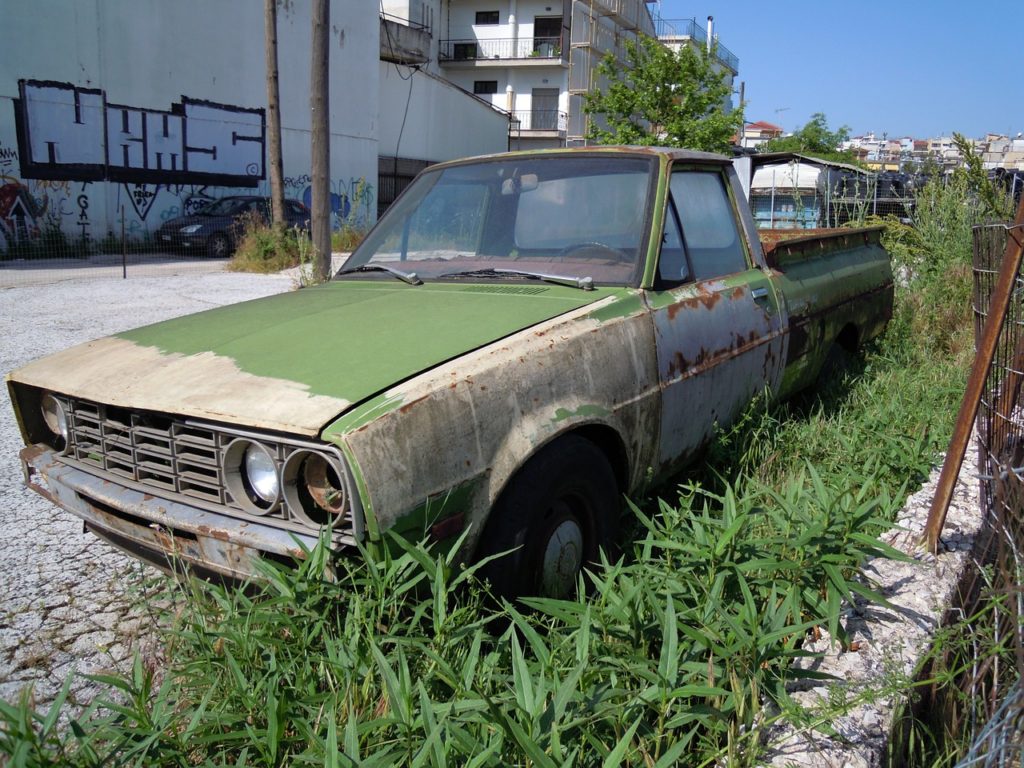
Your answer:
<point x="266" y="248"/>
<point x="404" y="661"/>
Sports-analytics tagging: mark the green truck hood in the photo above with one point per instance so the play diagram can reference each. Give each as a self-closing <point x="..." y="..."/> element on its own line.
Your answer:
<point x="295" y="361"/>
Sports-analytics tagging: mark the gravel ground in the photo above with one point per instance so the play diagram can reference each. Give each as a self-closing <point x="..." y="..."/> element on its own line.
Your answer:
<point x="67" y="599"/>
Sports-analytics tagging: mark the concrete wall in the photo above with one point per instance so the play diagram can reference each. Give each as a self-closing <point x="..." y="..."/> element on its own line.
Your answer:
<point x="442" y="123"/>
<point x="154" y="107"/>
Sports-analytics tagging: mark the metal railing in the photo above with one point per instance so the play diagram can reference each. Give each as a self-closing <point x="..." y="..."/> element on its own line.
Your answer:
<point x="690" y="28"/>
<point x="404" y="22"/>
<point x="680" y="28"/>
<point x="539" y="120"/>
<point x="501" y="48"/>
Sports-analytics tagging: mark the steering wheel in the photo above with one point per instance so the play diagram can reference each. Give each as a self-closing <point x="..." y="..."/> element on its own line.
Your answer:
<point x="609" y="251"/>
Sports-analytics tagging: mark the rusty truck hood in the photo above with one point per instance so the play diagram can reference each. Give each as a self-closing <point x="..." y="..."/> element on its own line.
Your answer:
<point x="295" y="361"/>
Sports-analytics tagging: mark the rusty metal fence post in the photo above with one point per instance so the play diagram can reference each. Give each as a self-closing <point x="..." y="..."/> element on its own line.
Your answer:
<point x="1007" y="392"/>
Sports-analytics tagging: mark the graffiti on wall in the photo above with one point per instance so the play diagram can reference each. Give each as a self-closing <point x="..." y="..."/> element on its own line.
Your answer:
<point x="351" y="201"/>
<point x="68" y="132"/>
<point x="75" y="165"/>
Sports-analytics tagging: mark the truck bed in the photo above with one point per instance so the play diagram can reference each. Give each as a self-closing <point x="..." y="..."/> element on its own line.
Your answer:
<point x="837" y="284"/>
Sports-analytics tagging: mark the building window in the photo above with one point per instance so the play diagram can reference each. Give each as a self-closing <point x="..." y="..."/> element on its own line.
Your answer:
<point x="464" y="51"/>
<point x="486" y="17"/>
<point x="483" y="87"/>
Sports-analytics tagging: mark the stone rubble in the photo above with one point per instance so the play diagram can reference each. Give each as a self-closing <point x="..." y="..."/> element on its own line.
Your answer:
<point x="889" y="644"/>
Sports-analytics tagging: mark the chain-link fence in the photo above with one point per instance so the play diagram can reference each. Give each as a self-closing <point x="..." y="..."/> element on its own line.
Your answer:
<point x="1001" y="464"/>
<point x="991" y="681"/>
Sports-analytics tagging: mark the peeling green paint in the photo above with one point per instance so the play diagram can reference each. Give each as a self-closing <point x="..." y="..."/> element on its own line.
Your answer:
<point x="351" y="339"/>
<point x="373" y="532"/>
<point x="583" y="412"/>
<point x="415" y="525"/>
<point x="627" y="302"/>
<point x="363" y="414"/>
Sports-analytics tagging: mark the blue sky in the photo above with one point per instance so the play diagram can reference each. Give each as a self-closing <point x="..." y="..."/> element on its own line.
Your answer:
<point x="905" y="67"/>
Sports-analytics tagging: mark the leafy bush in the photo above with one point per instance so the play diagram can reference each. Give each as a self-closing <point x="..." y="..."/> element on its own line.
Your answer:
<point x="264" y="249"/>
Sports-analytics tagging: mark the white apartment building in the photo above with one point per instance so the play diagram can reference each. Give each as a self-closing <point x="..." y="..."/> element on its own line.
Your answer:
<point x="536" y="59"/>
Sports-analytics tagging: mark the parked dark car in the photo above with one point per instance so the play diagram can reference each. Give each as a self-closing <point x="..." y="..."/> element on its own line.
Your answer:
<point x="215" y="229"/>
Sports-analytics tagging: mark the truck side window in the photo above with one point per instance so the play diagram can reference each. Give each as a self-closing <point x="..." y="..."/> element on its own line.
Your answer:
<point x="672" y="266"/>
<point x="709" y="224"/>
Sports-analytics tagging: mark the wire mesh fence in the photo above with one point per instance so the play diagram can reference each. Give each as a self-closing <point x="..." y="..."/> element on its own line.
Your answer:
<point x="993" y="681"/>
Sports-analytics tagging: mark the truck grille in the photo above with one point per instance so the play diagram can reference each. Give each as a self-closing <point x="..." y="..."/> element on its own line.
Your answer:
<point x="181" y="458"/>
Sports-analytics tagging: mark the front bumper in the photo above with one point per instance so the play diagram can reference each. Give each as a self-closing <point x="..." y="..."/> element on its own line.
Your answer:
<point x="179" y="241"/>
<point x="157" y="530"/>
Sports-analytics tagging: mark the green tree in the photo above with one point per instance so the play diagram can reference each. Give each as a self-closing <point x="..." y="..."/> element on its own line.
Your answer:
<point x="814" y="138"/>
<point x="663" y="98"/>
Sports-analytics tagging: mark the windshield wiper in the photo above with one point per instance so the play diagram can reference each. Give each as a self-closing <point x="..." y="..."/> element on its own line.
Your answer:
<point x="408" y="277"/>
<point x="585" y="283"/>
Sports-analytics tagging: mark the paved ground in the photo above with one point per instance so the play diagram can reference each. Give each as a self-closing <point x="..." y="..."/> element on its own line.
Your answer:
<point x="66" y="599"/>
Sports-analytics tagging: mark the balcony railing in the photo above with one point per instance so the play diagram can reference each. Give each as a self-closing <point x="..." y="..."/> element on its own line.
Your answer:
<point x="501" y="48"/>
<point x="683" y="28"/>
<point x="539" y="120"/>
<point x="404" y="21"/>
<point x="680" y="28"/>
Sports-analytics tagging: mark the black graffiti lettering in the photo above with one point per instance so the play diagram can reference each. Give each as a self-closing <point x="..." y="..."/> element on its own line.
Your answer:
<point x="70" y="133"/>
<point x="83" y="215"/>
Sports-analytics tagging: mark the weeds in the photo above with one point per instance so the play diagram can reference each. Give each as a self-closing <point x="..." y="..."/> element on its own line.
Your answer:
<point x="347" y="237"/>
<point x="401" y="662"/>
<point x="264" y="249"/>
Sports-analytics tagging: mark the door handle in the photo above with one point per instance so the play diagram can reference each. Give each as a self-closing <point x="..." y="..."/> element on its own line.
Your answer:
<point x="759" y="293"/>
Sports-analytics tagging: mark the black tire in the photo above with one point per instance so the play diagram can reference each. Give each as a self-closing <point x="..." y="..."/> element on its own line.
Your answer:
<point x="838" y="363"/>
<point x="568" y="485"/>
<point x="218" y="246"/>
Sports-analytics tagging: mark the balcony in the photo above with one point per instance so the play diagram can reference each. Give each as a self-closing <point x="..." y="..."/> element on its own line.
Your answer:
<point x="403" y="41"/>
<point x="670" y="30"/>
<point x="539" y="120"/>
<point x="541" y="49"/>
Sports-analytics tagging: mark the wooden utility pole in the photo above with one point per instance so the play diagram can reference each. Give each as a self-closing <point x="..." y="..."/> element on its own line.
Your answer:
<point x="321" y="150"/>
<point x="273" y="113"/>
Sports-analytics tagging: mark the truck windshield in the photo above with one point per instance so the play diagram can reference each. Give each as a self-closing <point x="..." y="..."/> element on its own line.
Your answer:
<point x="571" y="216"/>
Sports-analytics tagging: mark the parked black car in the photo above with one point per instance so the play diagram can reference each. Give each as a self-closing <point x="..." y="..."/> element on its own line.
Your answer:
<point x="215" y="229"/>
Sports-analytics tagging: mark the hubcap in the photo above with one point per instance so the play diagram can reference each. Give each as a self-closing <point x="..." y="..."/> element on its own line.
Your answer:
<point x="563" y="558"/>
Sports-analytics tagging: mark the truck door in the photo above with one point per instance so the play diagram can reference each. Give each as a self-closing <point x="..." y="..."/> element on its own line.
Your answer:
<point x="718" y="325"/>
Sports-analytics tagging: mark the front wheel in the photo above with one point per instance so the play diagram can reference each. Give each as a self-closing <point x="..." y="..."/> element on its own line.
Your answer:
<point x="219" y="247"/>
<point x="557" y="514"/>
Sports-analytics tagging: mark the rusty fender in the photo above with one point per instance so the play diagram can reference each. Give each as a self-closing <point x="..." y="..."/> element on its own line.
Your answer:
<point x="478" y="419"/>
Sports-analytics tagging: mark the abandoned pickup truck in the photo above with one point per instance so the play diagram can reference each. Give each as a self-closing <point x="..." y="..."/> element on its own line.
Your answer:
<point x="519" y="342"/>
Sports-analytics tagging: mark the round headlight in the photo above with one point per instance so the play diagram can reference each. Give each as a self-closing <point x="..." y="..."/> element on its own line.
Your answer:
<point x="313" y="489"/>
<point x="54" y="416"/>
<point x="261" y="472"/>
